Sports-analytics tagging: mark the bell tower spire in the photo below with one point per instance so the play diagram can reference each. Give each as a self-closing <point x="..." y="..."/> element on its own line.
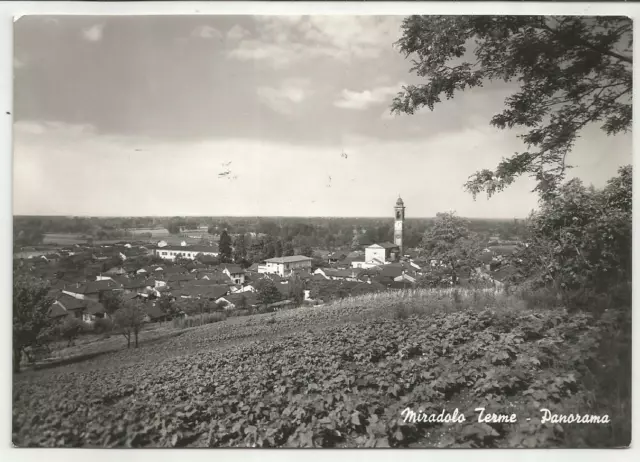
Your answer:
<point x="398" y="228"/>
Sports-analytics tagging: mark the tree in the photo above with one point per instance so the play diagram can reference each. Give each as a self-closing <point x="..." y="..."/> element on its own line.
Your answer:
<point x="571" y="71"/>
<point x="296" y="289"/>
<point x="581" y="238"/>
<point x="175" y="224"/>
<point x="355" y="242"/>
<point x="269" y="249"/>
<point x="288" y="250"/>
<point x="207" y="259"/>
<point x="224" y="247"/>
<point x="267" y="292"/>
<point x="239" y="250"/>
<point x="166" y="304"/>
<point x="112" y="301"/>
<point x="242" y="302"/>
<point x="70" y="329"/>
<point x="307" y="251"/>
<point x="130" y="319"/>
<point x="278" y="248"/>
<point x="449" y="242"/>
<point x="31" y="322"/>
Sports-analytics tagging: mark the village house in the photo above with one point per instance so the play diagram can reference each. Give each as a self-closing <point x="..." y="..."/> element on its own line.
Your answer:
<point x="238" y="301"/>
<point x="338" y="274"/>
<point x="86" y="310"/>
<point x="380" y="254"/>
<point x="91" y="290"/>
<point x="235" y="272"/>
<point x="171" y="252"/>
<point x="284" y="266"/>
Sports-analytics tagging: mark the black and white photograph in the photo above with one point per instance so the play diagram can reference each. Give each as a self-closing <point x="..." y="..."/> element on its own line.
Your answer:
<point x="321" y="231"/>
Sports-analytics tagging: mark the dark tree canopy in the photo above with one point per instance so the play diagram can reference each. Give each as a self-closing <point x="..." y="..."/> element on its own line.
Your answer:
<point x="31" y="305"/>
<point x="224" y="246"/>
<point x="571" y="71"/>
<point x="450" y="242"/>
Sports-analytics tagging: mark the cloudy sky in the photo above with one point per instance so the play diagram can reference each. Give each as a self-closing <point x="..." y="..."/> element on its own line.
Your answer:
<point x="141" y="116"/>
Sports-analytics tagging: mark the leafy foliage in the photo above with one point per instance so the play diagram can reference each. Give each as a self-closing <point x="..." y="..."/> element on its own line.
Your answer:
<point x="581" y="237"/>
<point x="343" y="386"/>
<point x="296" y="289"/>
<point x="267" y="292"/>
<point x="240" y="249"/>
<point x="31" y="323"/>
<point x="112" y="301"/>
<point x="570" y="72"/>
<point x="453" y="247"/>
<point x="130" y="319"/>
<point x="224" y="247"/>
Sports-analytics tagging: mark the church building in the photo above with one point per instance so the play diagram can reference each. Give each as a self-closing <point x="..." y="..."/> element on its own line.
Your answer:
<point x="386" y="252"/>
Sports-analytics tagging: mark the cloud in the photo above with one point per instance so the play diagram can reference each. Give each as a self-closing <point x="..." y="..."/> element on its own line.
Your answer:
<point x="93" y="33"/>
<point x="286" y="97"/>
<point x="361" y="100"/>
<point x="284" y="40"/>
<point x="108" y="169"/>
<point x="30" y="128"/>
<point x="207" y="32"/>
<point x="237" y="32"/>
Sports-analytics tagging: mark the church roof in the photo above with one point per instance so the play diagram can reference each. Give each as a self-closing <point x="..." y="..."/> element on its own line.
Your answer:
<point x="399" y="202"/>
<point x="385" y="245"/>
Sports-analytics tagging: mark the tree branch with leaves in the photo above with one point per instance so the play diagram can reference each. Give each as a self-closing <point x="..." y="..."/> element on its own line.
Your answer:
<point x="570" y="72"/>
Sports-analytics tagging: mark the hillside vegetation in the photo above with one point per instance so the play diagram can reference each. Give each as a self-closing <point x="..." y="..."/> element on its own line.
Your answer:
<point x="338" y="376"/>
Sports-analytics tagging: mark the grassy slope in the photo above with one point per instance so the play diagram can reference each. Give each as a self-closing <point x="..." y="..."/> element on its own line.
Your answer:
<point x="337" y="375"/>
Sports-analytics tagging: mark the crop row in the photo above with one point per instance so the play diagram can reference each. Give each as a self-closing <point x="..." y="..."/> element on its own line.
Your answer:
<point x="344" y="386"/>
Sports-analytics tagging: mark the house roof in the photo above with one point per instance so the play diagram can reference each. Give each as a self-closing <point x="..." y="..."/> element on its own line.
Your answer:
<point x="387" y="245"/>
<point x="233" y="269"/>
<point x="291" y="259"/>
<point x="211" y="292"/>
<point x="95" y="308"/>
<point x="180" y="277"/>
<point x="57" y="311"/>
<point x="213" y="278"/>
<point x="71" y="303"/>
<point x="346" y="273"/>
<point x="391" y="271"/>
<point x="93" y="287"/>
<point x="137" y="283"/>
<point x="191" y="248"/>
<point x="250" y="298"/>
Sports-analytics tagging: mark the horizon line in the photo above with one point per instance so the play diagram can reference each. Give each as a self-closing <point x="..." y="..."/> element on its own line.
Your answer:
<point x="259" y="216"/>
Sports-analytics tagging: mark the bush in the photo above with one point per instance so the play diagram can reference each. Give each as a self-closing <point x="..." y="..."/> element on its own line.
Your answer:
<point x="237" y="313"/>
<point x="102" y="326"/>
<point x="199" y="320"/>
<point x="70" y="329"/>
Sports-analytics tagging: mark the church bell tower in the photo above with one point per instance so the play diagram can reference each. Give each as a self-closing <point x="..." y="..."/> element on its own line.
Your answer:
<point x="398" y="228"/>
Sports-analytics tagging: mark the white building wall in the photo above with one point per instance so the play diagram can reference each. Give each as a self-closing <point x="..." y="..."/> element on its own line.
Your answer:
<point x="374" y="253"/>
